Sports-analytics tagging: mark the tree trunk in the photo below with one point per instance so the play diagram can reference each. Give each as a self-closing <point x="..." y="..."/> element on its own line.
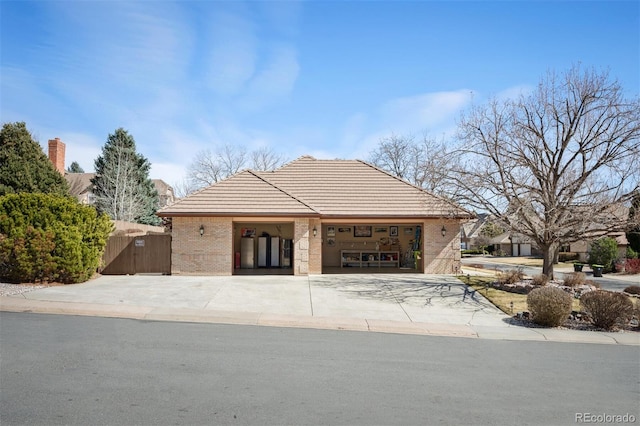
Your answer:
<point x="548" y="257"/>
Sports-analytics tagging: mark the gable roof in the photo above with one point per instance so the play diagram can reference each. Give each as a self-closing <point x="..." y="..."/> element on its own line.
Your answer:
<point x="311" y="187"/>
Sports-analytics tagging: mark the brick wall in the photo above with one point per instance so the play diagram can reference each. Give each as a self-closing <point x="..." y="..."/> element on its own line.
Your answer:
<point x="209" y="254"/>
<point x="441" y="255"/>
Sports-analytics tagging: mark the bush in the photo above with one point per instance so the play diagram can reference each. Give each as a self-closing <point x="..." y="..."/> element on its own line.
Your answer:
<point x="50" y="238"/>
<point x="631" y="253"/>
<point x="607" y="308"/>
<point x="540" y="280"/>
<point x="603" y="251"/>
<point x="511" y="277"/>
<point x="632" y="266"/>
<point x="549" y="306"/>
<point x="575" y="279"/>
<point x="632" y="289"/>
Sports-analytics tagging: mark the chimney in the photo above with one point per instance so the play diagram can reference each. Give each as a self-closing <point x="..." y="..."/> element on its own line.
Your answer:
<point x="56" y="154"/>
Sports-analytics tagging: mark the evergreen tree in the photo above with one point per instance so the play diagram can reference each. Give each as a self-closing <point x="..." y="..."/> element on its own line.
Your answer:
<point x="75" y="168"/>
<point x="122" y="186"/>
<point x="23" y="165"/>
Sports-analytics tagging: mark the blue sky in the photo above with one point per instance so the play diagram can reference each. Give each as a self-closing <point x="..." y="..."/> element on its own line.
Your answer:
<point x="327" y="79"/>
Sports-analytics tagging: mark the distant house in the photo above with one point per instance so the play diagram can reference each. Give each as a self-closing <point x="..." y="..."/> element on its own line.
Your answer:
<point x="80" y="183"/>
<point x="470" y="232"/>
<point x="581" y="248"/>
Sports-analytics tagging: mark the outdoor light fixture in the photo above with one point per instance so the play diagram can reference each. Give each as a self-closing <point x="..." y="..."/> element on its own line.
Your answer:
<point x="443" y="231"/>
<point x="315" y="231"/>
<point x="201" y="230"/>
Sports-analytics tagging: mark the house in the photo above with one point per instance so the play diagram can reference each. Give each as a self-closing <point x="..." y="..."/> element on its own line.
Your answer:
<point x="581" y="248"/>
<point x="470" y="231"/>
<point x="314" y="216"/>
<point x="513" y="244"/>
<point x="80" y="183"/>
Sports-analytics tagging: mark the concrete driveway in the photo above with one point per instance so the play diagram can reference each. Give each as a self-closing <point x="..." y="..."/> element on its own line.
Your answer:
<point x="400" y="303"/>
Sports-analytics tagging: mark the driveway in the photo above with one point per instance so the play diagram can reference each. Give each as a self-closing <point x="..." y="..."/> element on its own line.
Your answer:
<point x="402" y="303"/>
<point x="408" y="298"/>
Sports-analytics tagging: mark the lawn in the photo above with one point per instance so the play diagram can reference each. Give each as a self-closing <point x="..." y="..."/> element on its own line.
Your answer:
<point x="502" y="299"/>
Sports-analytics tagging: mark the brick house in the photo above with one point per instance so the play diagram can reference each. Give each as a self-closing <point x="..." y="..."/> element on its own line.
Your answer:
<point x="311" y="217"/>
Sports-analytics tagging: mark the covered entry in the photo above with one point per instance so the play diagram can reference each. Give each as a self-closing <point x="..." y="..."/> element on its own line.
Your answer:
<point x="263" y="248"/>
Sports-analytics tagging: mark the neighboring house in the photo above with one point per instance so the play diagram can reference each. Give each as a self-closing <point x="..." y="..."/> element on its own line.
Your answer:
<point x="80" y="183"/>
<point x="314" y="216"/>
<point x="470" y="231"/>
<point x="513" y="244"/>
<point x="581" y="248"/>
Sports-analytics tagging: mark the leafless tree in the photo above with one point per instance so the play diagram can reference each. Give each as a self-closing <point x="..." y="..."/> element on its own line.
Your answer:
<point x="117" y="191"/>
<point x="209" y="167"/>
<point x="556" y="165"/>
<point x="423" y="163"/>
<point x="265" y="158"/>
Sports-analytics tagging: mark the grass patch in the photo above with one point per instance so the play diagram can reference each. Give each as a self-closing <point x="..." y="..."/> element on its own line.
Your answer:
<point x="500" y="298"/>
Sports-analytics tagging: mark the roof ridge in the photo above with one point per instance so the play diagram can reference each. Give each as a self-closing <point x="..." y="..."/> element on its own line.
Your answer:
<point x="451" y="203"/>
<point x="302" y="157"/>
<point x="256" y="174"/>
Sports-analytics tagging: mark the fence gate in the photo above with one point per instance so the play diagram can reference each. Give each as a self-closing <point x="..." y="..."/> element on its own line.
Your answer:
<point x="137" y="255"/>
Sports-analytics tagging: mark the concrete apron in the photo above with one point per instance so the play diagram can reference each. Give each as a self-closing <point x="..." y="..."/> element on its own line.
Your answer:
<point x="398" y="303"/>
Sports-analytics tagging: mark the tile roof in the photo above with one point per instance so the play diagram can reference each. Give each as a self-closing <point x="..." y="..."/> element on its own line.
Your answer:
<point x="307" y="186"/>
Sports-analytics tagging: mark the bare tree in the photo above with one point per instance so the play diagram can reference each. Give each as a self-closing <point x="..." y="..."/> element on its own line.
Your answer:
<point x="395" y="154"/>
<point x="423" y="163"/>
<point x="557" y="165"/>
<point x="264" y="159"/>
<point x="117" y="187"/>
<point x="209" y="167"/>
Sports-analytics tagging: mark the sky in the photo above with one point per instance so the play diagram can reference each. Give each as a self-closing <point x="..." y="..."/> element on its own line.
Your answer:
<point x="321" y="78"/>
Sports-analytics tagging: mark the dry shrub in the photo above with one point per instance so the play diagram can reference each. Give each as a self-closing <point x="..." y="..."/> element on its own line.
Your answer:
<point x="632" y="289"/>
<point x="540" y="280"/>
<point x="607" y="308"/>
<point x="511" y="277"/>
<point x="549" y="306"/>
<point x="575" y="279"/>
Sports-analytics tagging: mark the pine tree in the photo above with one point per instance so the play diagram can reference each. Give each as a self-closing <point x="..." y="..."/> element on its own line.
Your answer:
<point x="75" y="168"/>
<point x="23" y="165"/>
<point x="122" y="187"/>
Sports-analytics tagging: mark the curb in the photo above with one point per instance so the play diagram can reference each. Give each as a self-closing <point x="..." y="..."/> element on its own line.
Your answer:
<point x="14" y="304"/>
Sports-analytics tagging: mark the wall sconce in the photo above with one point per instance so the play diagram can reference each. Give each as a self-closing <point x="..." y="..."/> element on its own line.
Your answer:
<point x="443" y="231"/>
<point x="201" y="230"/>
<point x="315" y="231"/>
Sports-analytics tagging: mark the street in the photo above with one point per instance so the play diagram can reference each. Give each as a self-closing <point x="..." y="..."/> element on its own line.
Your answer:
<point x="492" y="264"/>
<point x="85" y="370"/>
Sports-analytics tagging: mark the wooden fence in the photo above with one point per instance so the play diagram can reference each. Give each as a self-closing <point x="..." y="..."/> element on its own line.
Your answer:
<point x="137" y="255"/>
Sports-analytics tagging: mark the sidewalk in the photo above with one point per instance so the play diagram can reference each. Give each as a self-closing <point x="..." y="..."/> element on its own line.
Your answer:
<point x="402" y="303"/>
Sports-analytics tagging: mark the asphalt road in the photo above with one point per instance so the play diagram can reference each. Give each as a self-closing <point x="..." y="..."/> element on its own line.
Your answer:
<point x="491" y="264"/>
<point x="83" y="370"/>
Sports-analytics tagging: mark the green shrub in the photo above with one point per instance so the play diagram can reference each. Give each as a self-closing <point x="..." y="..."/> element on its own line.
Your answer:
<point x="549" y="306"/>
<point x="575" y="279"/>
<point x="632" y="289"/>
<point x="47" y="237"/>
<point x="607" y="308"/>
<point x="540" y="280"/>
<point x="603" y="251"/>
<point x="631" y="253"/>
<point x="511" y="277"/>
